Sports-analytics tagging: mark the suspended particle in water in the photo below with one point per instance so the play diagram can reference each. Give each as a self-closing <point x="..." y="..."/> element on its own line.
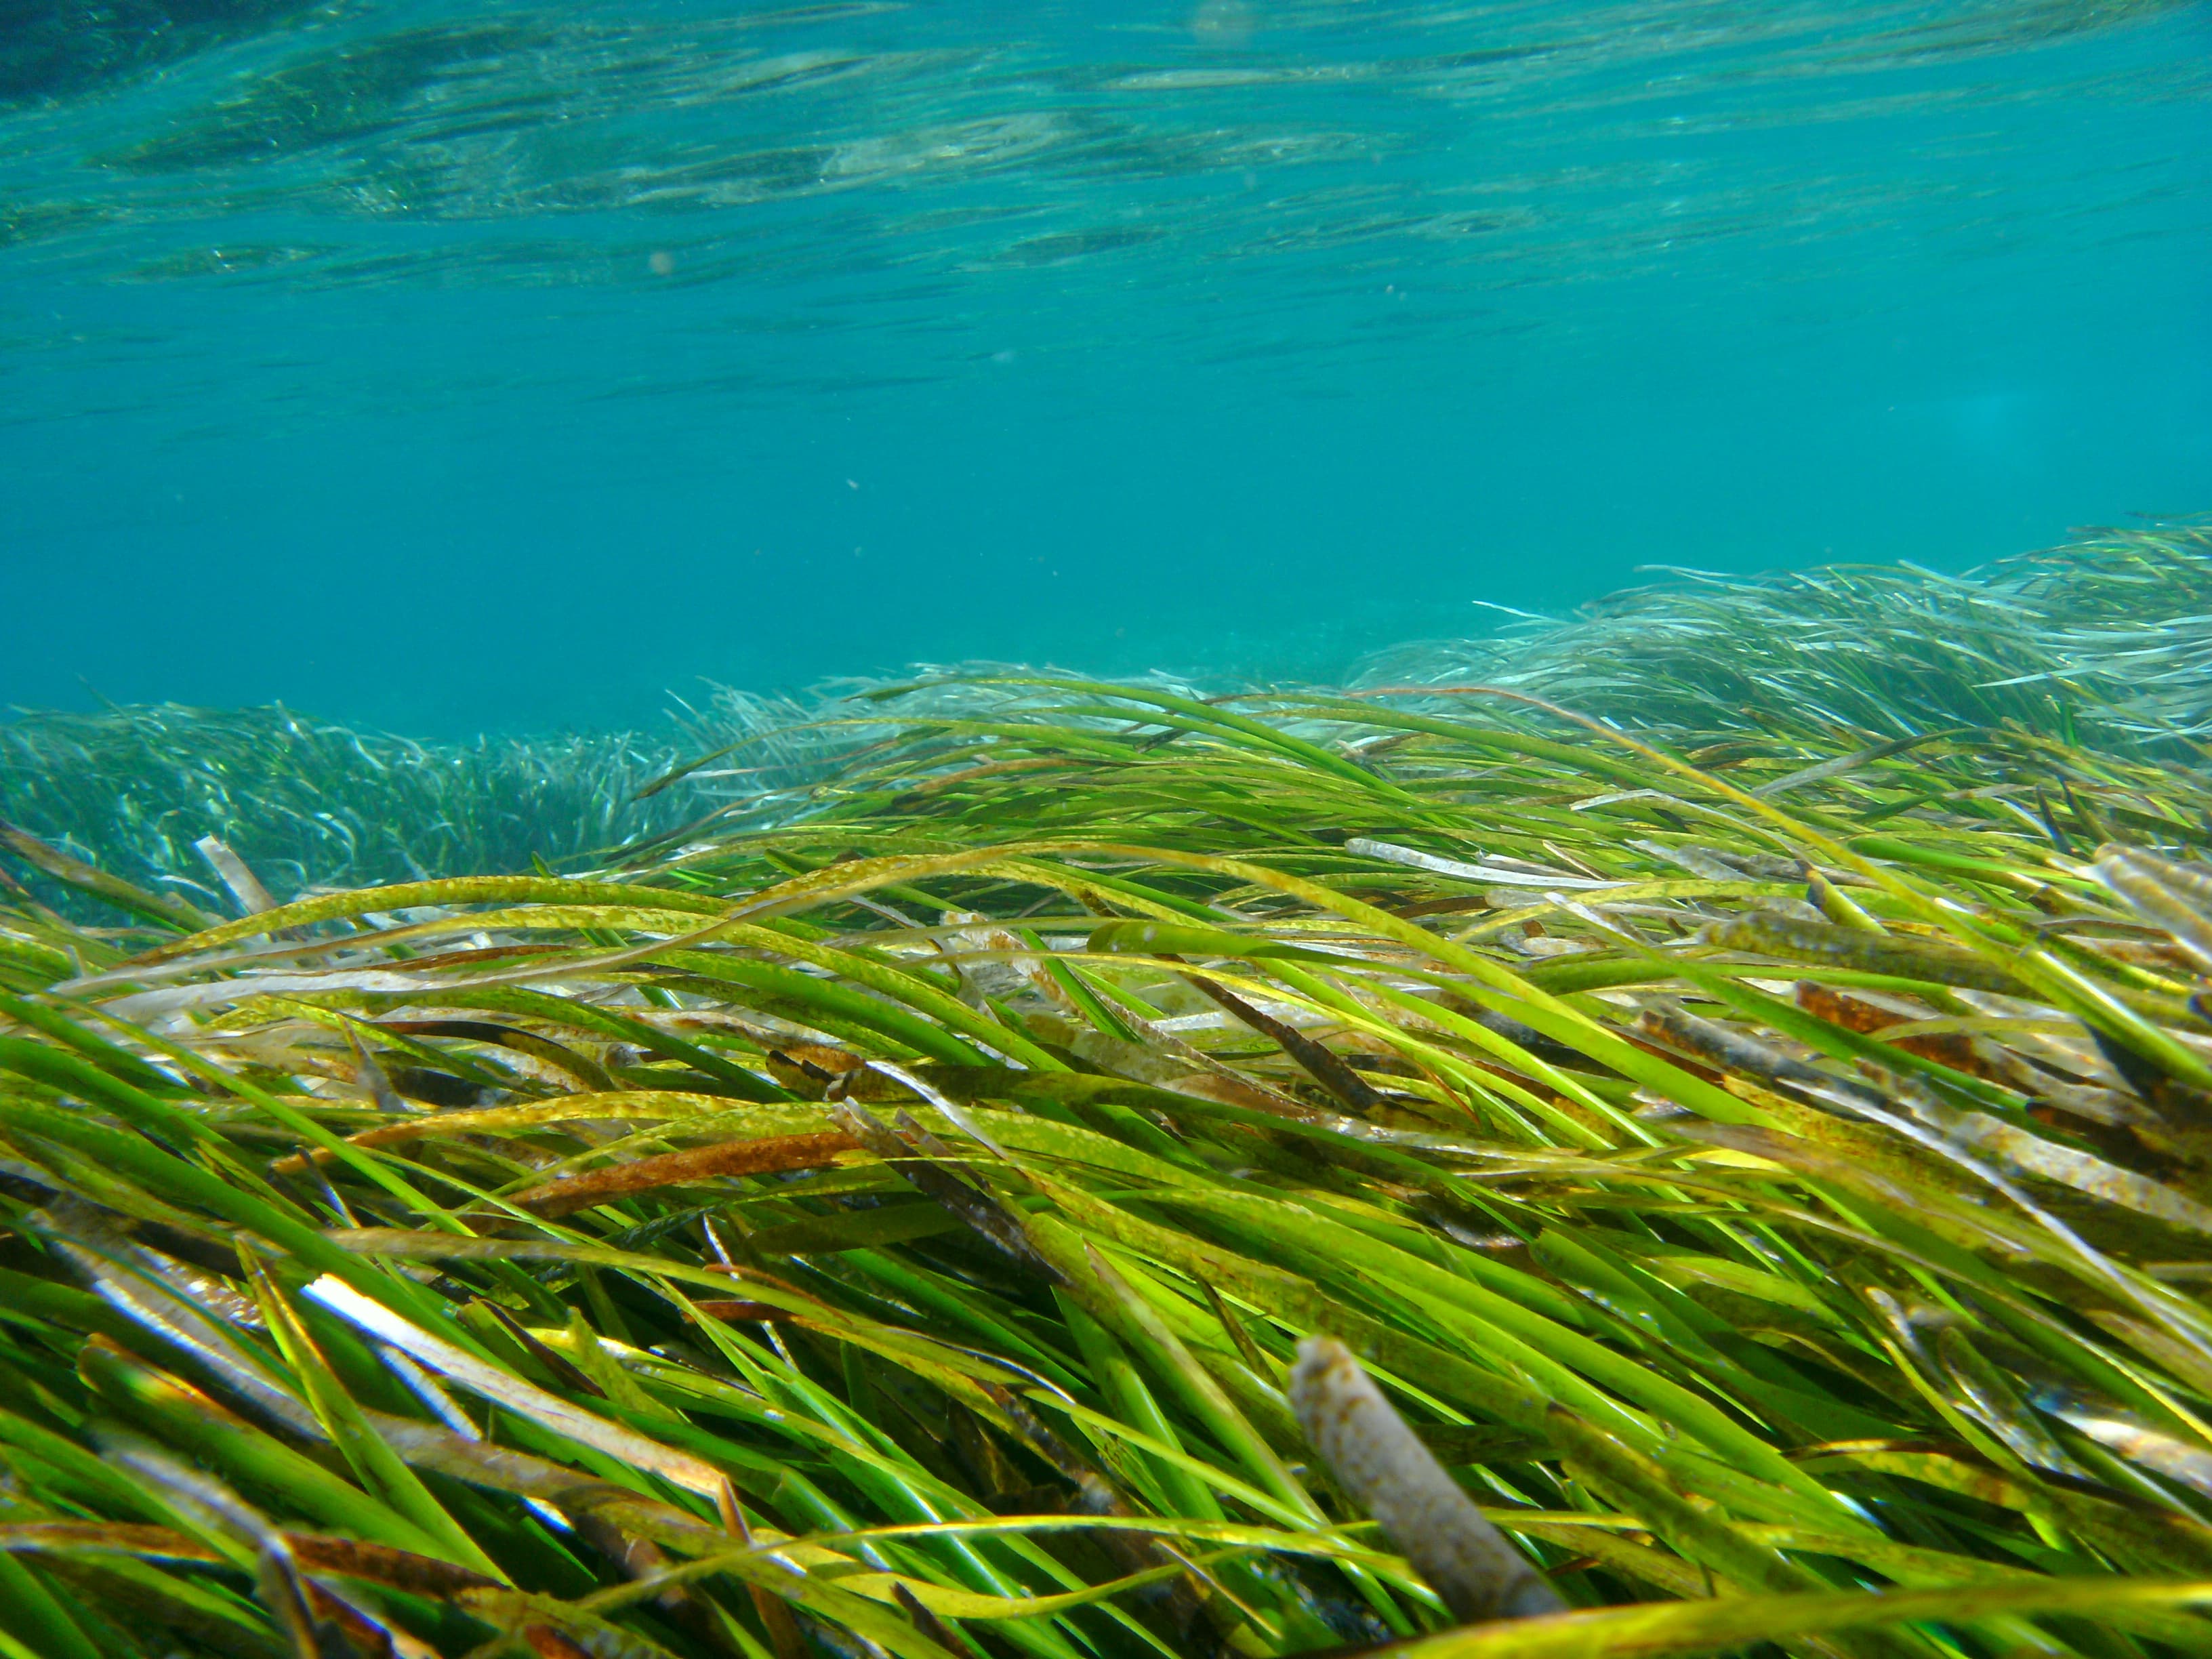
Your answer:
<point x="663" y="263"/>
<point x="1223" y="23"/>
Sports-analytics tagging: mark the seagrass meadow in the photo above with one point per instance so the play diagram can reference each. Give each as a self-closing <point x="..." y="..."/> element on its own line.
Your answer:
<point x="2103" y="644"/>
<point x="1751" y="1127"/>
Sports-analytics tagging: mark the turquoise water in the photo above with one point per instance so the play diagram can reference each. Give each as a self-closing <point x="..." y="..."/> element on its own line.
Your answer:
<point x="453" y="365"/>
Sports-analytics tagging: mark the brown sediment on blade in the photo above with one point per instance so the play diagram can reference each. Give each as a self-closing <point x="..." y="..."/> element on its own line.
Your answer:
<point x="164" y="1543"/>
<point x="548" y="1644"/>
<point x="1321" y="1063"/>
<point x="1957" y="1049"/>
<point x="727" y="1308"/>
<point x="1733" y="1051"/>
<point x="384" y="1134"/>
<point x="809" y="1069"/>
<point x="420" y="1575"/>
<point x="1384" y="1467"/>
<point x="2116" y="1121"/>
<point x="1902" y="956"/>
<point x="463" y="1119"/>
<point x="775" y="1154"/>
<point x="921" y="1159"/>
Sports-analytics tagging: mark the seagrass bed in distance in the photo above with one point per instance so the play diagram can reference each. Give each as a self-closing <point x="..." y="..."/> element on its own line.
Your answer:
<point x="1062" y="1167"/>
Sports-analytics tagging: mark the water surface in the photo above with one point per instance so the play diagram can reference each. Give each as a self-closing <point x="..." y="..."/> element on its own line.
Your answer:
<point x="452" y="366"/>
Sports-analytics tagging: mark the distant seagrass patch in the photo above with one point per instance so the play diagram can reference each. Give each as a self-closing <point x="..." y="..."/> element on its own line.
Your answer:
<point x="2105" y="642"/>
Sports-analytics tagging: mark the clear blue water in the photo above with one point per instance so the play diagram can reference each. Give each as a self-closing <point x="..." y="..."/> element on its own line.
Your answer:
<point x="455" y="366"/>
